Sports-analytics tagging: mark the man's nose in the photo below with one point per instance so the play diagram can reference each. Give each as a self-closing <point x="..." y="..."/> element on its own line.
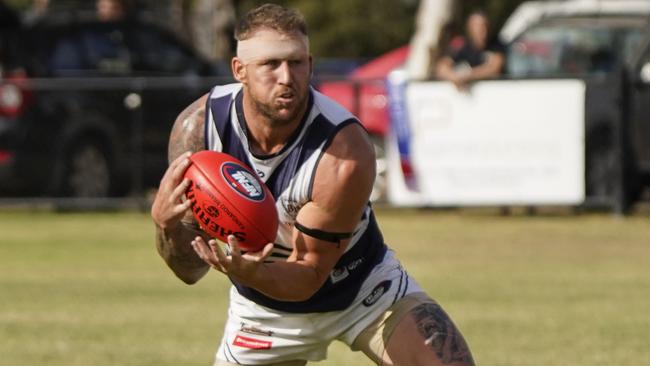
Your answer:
<point x="284" y="73"/>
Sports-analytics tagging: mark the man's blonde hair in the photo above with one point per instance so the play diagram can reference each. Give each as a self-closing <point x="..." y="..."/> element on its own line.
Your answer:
<point x="270" y="16"/>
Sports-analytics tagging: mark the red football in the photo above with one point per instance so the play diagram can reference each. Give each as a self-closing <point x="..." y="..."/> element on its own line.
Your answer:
<point x="228" y="198"/>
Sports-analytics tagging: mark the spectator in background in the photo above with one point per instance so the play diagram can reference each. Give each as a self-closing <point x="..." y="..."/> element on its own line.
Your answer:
<point x="111" y="10"/>
<point x="36" y="11"/>
<point x="473" y="57"/>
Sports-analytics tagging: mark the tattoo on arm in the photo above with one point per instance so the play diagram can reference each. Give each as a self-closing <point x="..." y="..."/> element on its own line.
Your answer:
<point x="181" y="258"/>
<point x="173" y="244"/>
<point x="188" y="131"/>
<point x="441" y="334"/>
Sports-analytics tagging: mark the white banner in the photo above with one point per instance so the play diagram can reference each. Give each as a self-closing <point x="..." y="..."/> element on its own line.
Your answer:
<point x="499" y="143"/>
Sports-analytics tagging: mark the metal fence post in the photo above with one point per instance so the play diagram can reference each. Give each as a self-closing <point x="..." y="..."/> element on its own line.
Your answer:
<point x="619" y="131"/>
<point x="137" y="138"/>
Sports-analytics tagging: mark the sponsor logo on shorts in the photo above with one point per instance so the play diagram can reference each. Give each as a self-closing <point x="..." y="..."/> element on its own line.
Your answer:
<point x="251" y="343"/>
<point x="377" y="292"/>
<point x="341" y="273"/>
<point x="254" y="330"/>
<point x="242" y="181"/>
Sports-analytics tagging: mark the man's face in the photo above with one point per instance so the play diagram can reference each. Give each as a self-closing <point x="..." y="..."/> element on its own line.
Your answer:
<point x="477" y="30"/>
<point x="275" y="69"/>
<point x="109" y="10"/>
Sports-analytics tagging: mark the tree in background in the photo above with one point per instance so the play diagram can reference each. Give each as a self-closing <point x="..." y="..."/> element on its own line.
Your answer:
<point x="351" y="28"/>
<point x="207" y="24"/>
<point x="212" y="28"/>
<point x="338" y="28"/>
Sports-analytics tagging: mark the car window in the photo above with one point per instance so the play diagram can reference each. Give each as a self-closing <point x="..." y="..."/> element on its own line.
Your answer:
<point x="66" y="57"/>
<point x="7" y="50"/>
<point x="105" y="51"/>
<point x="88" y="52"/>
<point x="156" y="52"/>
<point x="568" y="49"/>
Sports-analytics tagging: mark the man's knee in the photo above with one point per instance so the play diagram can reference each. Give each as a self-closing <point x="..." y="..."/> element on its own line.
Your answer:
<point x="427" y="333"/>
<point x="374" y="339"/>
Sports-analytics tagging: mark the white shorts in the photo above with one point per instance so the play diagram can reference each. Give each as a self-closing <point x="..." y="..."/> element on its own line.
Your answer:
<point x="256" y="335"/>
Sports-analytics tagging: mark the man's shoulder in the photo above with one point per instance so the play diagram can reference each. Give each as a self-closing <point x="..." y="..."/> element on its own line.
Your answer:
<point x="495" y="45"/>
<point x="351" y="143"/>
<point x="330" y="109"/>
<point x="225" y="90"/>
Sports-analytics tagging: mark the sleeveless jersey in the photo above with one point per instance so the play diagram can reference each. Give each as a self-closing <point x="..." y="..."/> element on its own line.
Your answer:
<point x="289" y="175"/>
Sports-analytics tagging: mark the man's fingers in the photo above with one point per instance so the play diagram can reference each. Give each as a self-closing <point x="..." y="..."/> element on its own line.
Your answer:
<point x="180" y="189"/>
<point x="180" y="159"/>
<point x="268" y="248"/>
<point x="172" y="166"/>
<point x="181" y="166"/>
<point x="233" y="264"/>
<point x="203" y="251"/>
<point x="233" y="243"/>
<point x="184" y="206"/>
<point x="260" y="255"/>
<point x="216" y="250"/>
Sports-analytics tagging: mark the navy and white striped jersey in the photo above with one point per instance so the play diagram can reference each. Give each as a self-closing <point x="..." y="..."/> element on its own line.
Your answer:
<point x="289" y="175"/>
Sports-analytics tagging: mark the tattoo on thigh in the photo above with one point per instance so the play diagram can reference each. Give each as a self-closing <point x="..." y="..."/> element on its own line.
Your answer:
<point x="441" y="334"/>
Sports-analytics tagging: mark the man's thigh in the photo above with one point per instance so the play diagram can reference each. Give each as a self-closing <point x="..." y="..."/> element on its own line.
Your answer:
<point x="415" y="331"/>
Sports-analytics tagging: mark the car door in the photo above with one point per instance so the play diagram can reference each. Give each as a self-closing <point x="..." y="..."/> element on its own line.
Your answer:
<point x="170" y="74"/>
<point x="81" y="105"/>
<point x="640" y="105"/>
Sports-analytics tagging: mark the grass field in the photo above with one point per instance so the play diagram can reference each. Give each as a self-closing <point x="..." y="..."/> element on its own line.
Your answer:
<point x="89" y="289"/>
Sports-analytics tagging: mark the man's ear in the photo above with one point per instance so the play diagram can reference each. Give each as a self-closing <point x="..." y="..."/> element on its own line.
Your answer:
<point x="311" y="66"/>
<point x="238" y="69"/>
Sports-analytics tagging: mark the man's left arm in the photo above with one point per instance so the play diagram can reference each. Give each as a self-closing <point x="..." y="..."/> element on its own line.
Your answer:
<point x="491" y="68"/>
<point x="493" y="65"/>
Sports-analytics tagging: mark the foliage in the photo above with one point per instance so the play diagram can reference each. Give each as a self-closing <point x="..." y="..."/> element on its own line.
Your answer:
<point x="362" y="29"/>
<point x="352" y="28"/>
<point x="345" y="28"/>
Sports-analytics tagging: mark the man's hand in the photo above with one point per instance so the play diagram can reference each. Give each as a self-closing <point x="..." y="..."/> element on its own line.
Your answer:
<point x="235" y="264"/>
<point x="461" y="80"/>
<point x="169" y="207"/>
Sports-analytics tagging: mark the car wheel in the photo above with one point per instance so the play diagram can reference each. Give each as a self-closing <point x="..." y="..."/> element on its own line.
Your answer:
<point x="88" y="172"/>
<point x="602" y="165"/>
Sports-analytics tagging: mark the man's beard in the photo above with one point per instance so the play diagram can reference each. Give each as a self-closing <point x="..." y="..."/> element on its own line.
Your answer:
<point x="273" y="114"/>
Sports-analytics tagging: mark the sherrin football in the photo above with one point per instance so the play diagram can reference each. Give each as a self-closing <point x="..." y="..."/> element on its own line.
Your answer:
<point x="228" y="198"/>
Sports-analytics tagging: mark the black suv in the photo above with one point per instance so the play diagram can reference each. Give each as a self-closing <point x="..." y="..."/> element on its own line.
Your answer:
<point x="86" y="106"/>
<point x="606" y="45"/>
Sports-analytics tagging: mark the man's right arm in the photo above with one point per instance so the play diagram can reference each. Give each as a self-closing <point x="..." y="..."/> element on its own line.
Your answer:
<point x="175" y="225"/>
<point x="444" y="67"/>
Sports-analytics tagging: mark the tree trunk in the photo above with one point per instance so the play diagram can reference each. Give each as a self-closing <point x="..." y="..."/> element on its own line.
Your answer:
<point x="432" y="20"/>
<point x="212" y="27"/>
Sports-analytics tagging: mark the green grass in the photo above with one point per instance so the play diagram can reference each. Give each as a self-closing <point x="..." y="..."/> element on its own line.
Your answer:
<point x="89" y="289"/>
